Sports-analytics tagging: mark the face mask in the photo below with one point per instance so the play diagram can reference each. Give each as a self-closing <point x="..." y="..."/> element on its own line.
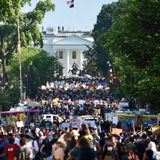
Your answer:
<point x="109" y="148"/>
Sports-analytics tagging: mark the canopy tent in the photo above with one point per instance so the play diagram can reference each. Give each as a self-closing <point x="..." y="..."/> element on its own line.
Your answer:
<point x="10" y="113"/>
<point x="33" y="104"/>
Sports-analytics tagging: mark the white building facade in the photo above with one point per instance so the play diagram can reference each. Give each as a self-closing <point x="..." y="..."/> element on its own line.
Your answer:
<point x="68" y="47"/>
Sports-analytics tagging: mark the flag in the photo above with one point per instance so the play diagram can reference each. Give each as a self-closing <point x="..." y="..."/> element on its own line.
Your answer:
<point x="70" y="3"/>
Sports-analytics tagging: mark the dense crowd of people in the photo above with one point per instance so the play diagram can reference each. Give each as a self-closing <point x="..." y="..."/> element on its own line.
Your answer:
<point x="73" y="97"/>
<point x="79" y="95"/>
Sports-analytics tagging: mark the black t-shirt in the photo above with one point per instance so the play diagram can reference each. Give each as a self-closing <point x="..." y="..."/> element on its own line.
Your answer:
<point x="47" y="149"/>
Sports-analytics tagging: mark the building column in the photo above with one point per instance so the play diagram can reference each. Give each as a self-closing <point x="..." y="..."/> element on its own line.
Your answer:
<point x="81" y="59"/>
<point x="67" y="61"/>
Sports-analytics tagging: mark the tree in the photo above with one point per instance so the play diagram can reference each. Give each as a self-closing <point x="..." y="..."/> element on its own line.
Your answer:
<point x="127" y="34"/>
<point x="90" y="66"/>
<point x="37" y="69"/>
<point x="100" y="34"/>
<point x="29" y="26"/>
<point x="134" y="38"/>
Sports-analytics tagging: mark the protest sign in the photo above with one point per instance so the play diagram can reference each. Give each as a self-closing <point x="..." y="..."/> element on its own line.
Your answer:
<point x="19" y="124"/>
<point x="155" y="129"/>
<point x="116" y="131"/>
<point x="115" y="119"/>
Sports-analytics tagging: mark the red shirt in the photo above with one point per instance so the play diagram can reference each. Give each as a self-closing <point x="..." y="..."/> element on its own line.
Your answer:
<point x="9" y="150"/>
<point x="46" y="133"/>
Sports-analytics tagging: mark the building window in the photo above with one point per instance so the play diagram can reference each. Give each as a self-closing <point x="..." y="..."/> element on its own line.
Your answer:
<point x="74" y="55"/>
<point x="60" y="54"/>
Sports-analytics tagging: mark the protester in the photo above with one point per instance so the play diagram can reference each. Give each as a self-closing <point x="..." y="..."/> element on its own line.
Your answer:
<point x="149" y="155"/>
<point x="83" y="151"/>
<point x="11" y="148"/>
<point x="45" y="149"/>
<point x="30" y="144"/>
<point x="23" y="152"/>
<point x="109" y="152"/>
<point x="71" y="99"/>
<point x="58" y="150"/>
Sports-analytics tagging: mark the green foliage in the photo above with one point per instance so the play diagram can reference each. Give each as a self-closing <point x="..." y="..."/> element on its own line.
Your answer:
<point x="104" y="19"/>
<point x="127" y="33"/>
<point x="136" y="32"/>
<point x="29" y="34"/>
<point x="100" y="34"/>
<point x="37" y="69"/>
<point x="29" y="26"/>
<point x="90" y="66"/>
<point x="134" y="38"/>
<point x="10" y="95"/>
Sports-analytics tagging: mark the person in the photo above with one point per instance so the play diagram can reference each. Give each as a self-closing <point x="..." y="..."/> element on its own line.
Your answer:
<point x="132" y="155"/>
<point x="152" y="146"/>
<point x="158" y="152"/>
<point x="45" y="149"/>
<point x="30" y="144"/>
<point x="83" y="151"/>
<point x="71" y="142"/>
<point x="23" y="153"/>
<point x="109" y="152"/>
<point x="122" y="151"/>
<point x="11" y="148"/>
<point x="58" y="151"/>
<point x="141" y="145"/>
<point x="2" y="155"/>
<point x="148" y="155"/>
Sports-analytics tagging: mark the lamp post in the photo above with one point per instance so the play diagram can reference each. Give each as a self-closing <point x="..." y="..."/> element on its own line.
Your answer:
<point x="19" y="58"/>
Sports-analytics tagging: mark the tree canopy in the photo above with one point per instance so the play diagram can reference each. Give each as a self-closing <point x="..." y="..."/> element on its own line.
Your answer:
<point x="37" y="69"/>
<point x="12" y="18"/>
<point x="132" y="41"/>
<point x="100" y="31"/>
<point x="30" y="33"/>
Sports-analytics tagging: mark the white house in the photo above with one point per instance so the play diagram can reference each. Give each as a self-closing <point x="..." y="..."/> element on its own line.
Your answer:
<point x="68" y="47"/>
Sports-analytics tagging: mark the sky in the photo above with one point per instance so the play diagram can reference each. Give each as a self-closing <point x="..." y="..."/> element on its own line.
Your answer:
<point x="82" y="17"/>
